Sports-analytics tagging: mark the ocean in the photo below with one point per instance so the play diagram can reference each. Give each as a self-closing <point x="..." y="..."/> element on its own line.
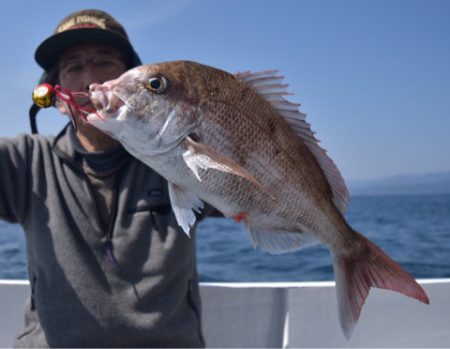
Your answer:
<point x="413" y="229"/>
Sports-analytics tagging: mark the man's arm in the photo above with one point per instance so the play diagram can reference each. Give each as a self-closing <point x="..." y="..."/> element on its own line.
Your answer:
<point x="14" y="178"/>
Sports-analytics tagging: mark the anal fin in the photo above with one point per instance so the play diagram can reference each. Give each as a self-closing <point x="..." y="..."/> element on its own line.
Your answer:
<point x="277" y="241"/>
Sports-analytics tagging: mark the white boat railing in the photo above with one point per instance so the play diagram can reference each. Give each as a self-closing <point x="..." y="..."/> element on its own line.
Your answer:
<point x="295" y="314"/>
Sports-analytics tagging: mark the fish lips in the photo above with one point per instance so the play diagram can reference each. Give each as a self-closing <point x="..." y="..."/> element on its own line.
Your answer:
<point x="108" y="110"/>
<point x="106" y="102"/>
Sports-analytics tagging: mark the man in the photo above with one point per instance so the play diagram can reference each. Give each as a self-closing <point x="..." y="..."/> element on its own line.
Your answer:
<point x="108" y="264"/>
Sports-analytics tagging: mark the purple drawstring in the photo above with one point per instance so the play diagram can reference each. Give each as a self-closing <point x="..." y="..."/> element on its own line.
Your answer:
<point x="110" y="253"/>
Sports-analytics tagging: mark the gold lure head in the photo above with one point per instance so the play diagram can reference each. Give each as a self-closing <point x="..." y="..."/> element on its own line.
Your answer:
<point x="43" y="95"/>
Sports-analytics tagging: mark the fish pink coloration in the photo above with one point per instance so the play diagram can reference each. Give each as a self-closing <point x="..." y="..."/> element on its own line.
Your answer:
<point x="235" y="142"/>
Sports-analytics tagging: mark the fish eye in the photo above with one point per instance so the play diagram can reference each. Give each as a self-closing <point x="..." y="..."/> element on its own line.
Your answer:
<point x="156" y="84"/>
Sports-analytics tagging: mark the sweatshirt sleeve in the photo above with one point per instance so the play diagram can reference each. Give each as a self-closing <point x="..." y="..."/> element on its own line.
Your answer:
<point x="14" y="177"/>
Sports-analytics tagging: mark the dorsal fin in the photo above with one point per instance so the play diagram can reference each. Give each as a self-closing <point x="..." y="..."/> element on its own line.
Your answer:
<point x="269" y="85"/>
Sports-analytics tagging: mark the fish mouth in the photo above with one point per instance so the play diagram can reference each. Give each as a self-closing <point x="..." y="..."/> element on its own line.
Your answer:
<point x="106" y="103"/>
<point x="107" y="109"/>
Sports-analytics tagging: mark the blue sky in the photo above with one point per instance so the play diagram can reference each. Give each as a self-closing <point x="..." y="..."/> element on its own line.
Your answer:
<point x="372" y="76"/>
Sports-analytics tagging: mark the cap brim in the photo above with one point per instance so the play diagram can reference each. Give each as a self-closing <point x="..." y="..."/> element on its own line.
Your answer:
<point x="49" y="50"/>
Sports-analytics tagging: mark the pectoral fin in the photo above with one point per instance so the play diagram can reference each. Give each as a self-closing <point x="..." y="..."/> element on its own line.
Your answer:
<point x="202" y="156"/>
<point x="184" y="203"/>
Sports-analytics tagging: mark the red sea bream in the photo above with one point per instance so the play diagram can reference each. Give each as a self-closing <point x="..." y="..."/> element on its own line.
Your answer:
<point x="235" y="142"/>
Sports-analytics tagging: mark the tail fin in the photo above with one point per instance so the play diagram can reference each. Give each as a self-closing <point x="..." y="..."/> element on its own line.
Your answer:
<point x="370" y="267"/>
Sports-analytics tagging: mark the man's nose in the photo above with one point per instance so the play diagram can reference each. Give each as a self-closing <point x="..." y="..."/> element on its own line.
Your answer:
<point x="91" y="76"/>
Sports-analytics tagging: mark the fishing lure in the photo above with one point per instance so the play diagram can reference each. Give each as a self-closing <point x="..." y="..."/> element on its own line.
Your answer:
<point x="43" y="95"/>
<point x="46" y="95"/>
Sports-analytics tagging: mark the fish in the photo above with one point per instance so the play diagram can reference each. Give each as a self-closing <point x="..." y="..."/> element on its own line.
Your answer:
<point x="236" y="142"/>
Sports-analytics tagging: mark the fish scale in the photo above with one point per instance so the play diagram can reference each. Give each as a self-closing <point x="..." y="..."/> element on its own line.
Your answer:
<point x="259" y="162"/>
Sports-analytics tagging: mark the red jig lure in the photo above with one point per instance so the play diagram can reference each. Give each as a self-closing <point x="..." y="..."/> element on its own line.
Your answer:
<point x="45" y="95"/>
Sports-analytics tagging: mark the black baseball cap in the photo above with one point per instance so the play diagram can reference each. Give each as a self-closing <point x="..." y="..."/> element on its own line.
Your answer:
<point x="83" y="27"/>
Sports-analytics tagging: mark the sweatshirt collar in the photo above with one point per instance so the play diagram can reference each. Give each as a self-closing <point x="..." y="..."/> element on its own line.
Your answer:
<point x="66" y="147"/>
<point x="63" y="146"/>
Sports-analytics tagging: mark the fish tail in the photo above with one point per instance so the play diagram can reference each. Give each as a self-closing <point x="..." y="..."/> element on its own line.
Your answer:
<point x="370" y="267"/>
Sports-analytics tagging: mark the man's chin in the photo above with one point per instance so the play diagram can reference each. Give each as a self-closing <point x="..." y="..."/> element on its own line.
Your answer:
<point x="94" y="139"/>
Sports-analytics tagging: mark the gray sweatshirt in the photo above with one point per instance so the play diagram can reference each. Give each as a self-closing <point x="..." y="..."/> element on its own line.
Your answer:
<point x="130" y="284"/>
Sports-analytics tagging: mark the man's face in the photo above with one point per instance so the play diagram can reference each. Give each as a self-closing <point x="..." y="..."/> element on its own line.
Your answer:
<point x="84" y="64"/>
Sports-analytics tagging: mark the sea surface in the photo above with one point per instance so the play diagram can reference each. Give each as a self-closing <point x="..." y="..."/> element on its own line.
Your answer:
<point x="413" y="229"/>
